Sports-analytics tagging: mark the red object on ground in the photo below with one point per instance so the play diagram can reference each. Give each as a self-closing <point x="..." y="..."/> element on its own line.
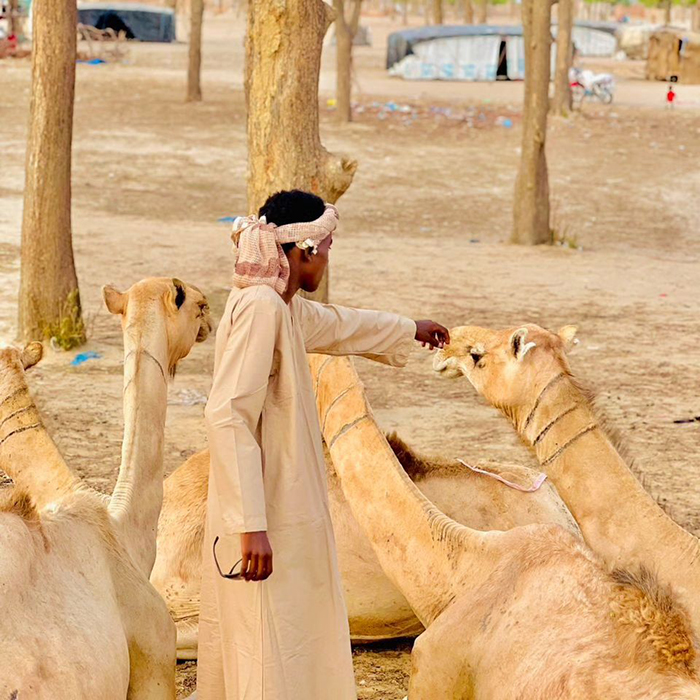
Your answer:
<point x="670" y="95"/>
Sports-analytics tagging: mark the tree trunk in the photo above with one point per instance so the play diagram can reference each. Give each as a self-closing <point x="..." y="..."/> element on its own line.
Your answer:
<point x="695" y="18"/>
<point x="283" y="59"/>
<point x="437" y="12"/>
<point x="13" y="15"/>
<point x="667" y="13"/>
<point x="468" y="12"/>
<point x="404" y="12"/>
<point x="49" y="300"/>
<point x="561" y="104"/>
<point x="194" y="88"/>
<point x="531" y="209"/>
<point x="345" y="32"/>
<point x="483" y="12"/>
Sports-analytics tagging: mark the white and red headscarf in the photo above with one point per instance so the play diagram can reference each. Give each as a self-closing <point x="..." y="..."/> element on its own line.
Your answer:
<point x="261" y="259"/>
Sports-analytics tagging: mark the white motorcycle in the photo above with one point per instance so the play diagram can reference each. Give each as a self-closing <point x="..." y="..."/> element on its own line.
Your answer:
<point x="586" y="83"/>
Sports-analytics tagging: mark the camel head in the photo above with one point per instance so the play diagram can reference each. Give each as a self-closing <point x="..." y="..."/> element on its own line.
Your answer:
<point x="158" y="303"/>
<point x="507" y="367"/>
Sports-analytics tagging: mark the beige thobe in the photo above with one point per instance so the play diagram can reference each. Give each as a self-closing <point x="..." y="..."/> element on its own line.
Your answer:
<point x="286" y="638"/>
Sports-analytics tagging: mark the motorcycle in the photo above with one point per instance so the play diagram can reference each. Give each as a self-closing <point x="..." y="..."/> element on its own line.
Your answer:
<point x="586" y="83"/>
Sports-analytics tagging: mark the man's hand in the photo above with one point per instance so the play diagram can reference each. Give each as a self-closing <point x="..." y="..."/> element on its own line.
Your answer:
<point x="256" y="554"/>
<point x="429" y="333"/>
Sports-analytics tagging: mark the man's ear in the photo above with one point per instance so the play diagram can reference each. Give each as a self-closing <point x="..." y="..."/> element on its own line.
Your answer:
<point x="519" y="346"/>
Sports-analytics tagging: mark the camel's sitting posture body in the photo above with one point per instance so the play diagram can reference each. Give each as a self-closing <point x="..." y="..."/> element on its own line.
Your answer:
<point x="80" y="619"/>
<point x="528" y="613"/>
<point x="525" y="373"/>
<point x="376" y="609"/>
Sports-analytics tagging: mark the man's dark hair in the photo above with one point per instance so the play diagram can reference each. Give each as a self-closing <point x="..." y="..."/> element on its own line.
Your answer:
<point x="292" y="207"/>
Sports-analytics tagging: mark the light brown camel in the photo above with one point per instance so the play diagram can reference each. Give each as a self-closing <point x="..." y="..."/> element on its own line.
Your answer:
<point x="528" y="613"/>
<point x="81" y="620"/>
<point x="376" y="609"/>
<point x="524" y="372"/>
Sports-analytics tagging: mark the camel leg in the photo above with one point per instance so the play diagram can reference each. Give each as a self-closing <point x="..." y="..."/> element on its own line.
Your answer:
<point x="438" y="667"/>
<point x="152" y="649"/>
<point x="187" y="633"/>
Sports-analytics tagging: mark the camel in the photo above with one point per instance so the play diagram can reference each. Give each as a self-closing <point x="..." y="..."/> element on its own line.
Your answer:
<point x="81" y="619"/>
<point x="526" y="613"/>
<point x="376" y="609"/>
<point x="525" y="373"/>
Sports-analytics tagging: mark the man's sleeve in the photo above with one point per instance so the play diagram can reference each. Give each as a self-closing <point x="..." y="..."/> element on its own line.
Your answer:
<point x="232" y="416"/>
<point x="339" y="330"/>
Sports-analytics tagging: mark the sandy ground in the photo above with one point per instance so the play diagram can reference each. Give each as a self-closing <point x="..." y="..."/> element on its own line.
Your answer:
<point x="424" y="232"/>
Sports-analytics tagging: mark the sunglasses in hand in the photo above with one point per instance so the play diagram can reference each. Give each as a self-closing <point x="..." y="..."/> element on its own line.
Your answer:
<point x="230" y="575"/>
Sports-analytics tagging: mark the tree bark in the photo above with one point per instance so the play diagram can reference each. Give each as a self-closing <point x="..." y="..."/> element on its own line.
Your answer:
<point x="667" y="13"/>
<point x="468" y="12"/>
<point x="437" y="12"/>
<point x="483" y="12"/>
<point x="13" y="15"/>
<point x="49" y="300"/>
<point x="194" y="88"/>
<point x="562" y="102"/>
<point x="283" y="60"/>
<point x="695" y="17"/>
<point x="531" y="209"/>
<point x="345" y="32"/>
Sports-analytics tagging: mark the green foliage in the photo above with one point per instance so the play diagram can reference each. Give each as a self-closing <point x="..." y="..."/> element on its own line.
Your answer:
<point x="69" y="331"/>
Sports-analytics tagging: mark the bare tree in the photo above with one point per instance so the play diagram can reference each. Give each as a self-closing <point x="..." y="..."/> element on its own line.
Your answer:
<point x="13" y="17"/>
<point x="437" y="12"/>
<point x="695" y="17"/>
<point x="531" y="209"/>
<point x="345" y="33"/>
<point x="468" y="10"/>
<point x="49" y="300"/>
<point x="194" y="88"/>
<point x="284" y="144"/>
<point x="483" y="12"/>
<point x="562" y="85"/>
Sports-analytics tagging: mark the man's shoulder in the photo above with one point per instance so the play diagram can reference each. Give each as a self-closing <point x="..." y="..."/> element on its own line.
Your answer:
<point x="260" y="298"/>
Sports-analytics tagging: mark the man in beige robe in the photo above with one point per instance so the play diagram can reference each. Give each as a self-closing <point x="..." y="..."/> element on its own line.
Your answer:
<point x="281" y="635"/>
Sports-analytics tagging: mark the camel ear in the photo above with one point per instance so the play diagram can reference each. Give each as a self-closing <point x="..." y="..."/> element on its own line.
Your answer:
<point x="180" y="292"/>
<point x="114" y="299"/>
<point x="31" y="354"/>
<point x="518" y="344"/>
<point x="568" y="336"/>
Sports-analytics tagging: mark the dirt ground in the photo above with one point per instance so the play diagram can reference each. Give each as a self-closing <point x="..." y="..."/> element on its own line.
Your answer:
<point x="424" y="232"/>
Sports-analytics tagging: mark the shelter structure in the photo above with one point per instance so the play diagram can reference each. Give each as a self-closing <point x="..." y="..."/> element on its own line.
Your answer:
<point x="482" y="52"/>
<point x="674" y="54"/>
<point x="137" y="21"/>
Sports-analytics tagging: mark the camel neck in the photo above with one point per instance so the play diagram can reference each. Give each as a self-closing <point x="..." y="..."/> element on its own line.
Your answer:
<point x="428" y="556"/>
<point x="27" y="453"/>
<point x="138" y="495"/>
<point x="617" y="517"/>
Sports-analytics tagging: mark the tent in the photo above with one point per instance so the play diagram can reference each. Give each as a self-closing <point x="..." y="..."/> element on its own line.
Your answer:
<point x="460" y="52"/>
<point x="593" y="38"/>
<point x="480" y="52"/>
<point x="141" y="22"/>
<point x="674" y="54"/>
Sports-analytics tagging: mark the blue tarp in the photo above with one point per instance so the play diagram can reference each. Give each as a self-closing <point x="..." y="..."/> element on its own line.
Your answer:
<point x="141" y="22"/>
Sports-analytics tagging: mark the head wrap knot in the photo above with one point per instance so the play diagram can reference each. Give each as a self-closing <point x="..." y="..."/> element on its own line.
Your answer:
<point x="261" y="259"/>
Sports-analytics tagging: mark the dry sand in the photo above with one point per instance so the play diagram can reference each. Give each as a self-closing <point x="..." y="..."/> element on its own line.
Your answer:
<point x="425" y="227"/>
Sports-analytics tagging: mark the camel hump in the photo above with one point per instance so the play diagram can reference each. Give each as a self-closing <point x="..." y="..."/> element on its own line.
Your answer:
<point x="651" y="614"/>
